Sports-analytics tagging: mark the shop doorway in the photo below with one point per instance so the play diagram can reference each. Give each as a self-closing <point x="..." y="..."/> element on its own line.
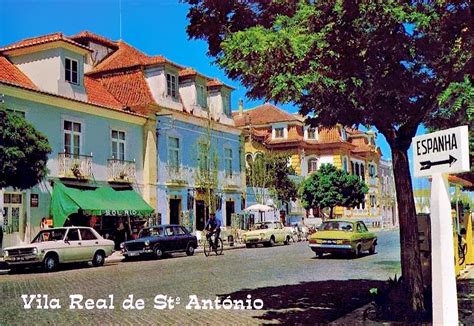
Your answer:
<point x="201" y="213"/>
<point x="175" y="210"/>
<point x="229" y="210"/>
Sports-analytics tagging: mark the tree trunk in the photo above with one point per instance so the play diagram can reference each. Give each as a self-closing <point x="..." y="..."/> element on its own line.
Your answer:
<point x="330" y="212"/>
<point x="409" y="246"/>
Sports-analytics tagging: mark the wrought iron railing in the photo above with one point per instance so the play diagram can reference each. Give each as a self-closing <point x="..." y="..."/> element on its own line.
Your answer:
<point x="177" y="175"/>
<point x="75" y="166"/>
<point x="232" y="181"/>
<point x="121" y="170"/>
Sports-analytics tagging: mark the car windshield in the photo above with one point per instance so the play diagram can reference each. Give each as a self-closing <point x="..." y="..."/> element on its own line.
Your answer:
<point x="50" y="235"/>
<point x="151" y="232"/>
<point x="336" y="226"/>
<point x="263" y="226"/>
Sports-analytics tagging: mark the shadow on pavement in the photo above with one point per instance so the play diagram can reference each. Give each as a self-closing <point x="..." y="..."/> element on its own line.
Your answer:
<point x="310" y="302"/>
<point x="466" y="301"/>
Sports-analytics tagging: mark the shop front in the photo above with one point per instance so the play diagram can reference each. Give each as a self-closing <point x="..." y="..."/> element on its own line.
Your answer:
<point x="115" y="214"/>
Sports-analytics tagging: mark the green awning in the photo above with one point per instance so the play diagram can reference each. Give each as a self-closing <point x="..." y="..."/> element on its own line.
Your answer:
<point x="100" y="201"/>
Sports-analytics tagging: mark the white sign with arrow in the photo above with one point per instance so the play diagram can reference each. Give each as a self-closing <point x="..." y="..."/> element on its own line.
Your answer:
<point x="445" y="151"/>
<point x="437" y="155"/>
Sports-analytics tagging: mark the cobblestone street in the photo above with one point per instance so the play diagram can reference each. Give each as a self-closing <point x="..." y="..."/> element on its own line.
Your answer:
<point x="289" y="280"/>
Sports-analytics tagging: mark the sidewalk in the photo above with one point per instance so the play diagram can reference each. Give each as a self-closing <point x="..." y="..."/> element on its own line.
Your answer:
<point x="465" y="287"/>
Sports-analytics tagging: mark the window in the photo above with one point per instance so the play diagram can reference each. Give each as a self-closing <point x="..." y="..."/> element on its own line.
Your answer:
<point x="173" y="153"/>
<point x="226" y="104"/>
<point x="72" y="137"/>
<point x="228" y="162"/>
<point x="373" y="201"/>
<point x="249" y="159"/>
<point x="201" y="96"/>
<point x="118" y="145"/>
<point x="73" y="235"/>
<point x="87" y="234"/>
<point x="12" y="211"/>
<point x="312" y="133"/>
<point x="178" y="230"/>
<point x="345" y="166"/>
<point x="343" y="134"/>
<point x="312" y="165"/>
<point x="71" y="71"/>
<point x="279" y="132"/>
<point x="169" y="231"/>
<point x="372" y="171"/>
<point x="171" y="85"/>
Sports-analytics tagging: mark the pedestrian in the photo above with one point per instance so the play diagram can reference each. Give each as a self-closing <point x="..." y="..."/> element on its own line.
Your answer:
<point x="67" y="222"/>
<point x="44" y="224"/>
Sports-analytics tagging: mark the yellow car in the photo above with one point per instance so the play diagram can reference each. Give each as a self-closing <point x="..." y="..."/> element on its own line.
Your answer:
<point x="342" y="236"/>
<point x="267" y="233"/>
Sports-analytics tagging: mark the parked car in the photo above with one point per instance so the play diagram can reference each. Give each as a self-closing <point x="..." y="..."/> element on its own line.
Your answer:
<point x="55" y="246"/>
<point x="158" y="240"/>
<point x="267" y="233"/>
<point x="342" y="236"/>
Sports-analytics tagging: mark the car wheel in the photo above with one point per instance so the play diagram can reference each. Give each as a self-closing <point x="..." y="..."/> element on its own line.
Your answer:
<point x="248" y="245"/>
<point x="320" y="254"/>
<point x="50" y="263"/>
<point x="357" y="250"/>
<point x="99" y="259"/>
<point x="271" y="243"/>
<point x="190" y="250"/>
<point x="158" y="252"/>
<point x="287" y="241"/>
<point x="372" y="248"/>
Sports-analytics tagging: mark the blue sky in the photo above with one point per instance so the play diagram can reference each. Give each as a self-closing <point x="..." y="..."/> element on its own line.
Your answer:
<point x="153" y="26"/>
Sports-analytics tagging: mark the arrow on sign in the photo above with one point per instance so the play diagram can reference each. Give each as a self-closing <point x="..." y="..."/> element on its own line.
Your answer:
<point x="426" y="165"/>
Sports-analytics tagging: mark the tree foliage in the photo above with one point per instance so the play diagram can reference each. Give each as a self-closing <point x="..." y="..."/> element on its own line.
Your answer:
<point x="330" y="187"/>
<point x="376" y="63"/>
<point x="271" y="171"/>
<point x="23" y="152"/>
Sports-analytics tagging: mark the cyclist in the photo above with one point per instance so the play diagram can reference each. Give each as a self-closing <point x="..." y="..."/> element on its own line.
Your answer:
<point x="213" y="226"/>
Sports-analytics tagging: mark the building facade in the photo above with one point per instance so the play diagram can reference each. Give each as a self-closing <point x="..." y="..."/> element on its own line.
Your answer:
<point x="268" y="128"/>
<point x="94" y="140"/>
<point x="388" y="195"/>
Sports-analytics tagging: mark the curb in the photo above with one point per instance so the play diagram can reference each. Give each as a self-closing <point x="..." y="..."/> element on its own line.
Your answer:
<point x="118" y="257"/>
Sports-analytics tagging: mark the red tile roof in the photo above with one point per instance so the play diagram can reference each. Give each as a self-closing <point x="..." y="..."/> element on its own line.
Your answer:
<point x="130" y="88"/>
<point x="42" y="40"/>
<point x="88" y="36"/>
<point x="96" y="93"/>
<point x="187" y="72"/>
<point x="262" y="115"/>
<point x="128" y="57"/>
<point x="9" y="73"/>
<point x="214" y="83"/>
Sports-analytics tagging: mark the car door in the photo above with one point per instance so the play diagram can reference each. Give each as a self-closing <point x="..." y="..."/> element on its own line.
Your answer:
<point x="73" y="250"/>
<point x="280" y="232"/>
<point x="362" y="235"/>
<point x="89" y="242"/>
<point x="180" y="235"/>
<point x="367" y="236"/>
<point x="169" y="240"/>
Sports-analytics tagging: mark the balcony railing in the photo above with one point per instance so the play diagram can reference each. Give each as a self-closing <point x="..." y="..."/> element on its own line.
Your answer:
<point x="75" y="166"/>
<point x="372" y="182"/>
<point x="121" y="170"/>
<point x="177" y="176"/>
<point x="232" y="181"/>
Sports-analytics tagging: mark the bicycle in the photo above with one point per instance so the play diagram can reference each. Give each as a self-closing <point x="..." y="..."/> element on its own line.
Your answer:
<point x="208" y="247"/>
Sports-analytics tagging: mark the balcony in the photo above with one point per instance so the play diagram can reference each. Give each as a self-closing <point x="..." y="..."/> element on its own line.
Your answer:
<point x="231" y="182"/>
<point x="177" y="176"/>
<point x="120" y="171"/>
<point x="372" y="182"/>
<point x="75" y="166"/>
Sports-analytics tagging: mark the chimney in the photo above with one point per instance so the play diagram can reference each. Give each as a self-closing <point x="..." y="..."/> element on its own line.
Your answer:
<point x="241" y="107"/>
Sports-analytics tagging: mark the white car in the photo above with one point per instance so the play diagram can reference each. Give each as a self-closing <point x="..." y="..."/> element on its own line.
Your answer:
<point x="55" y="246"/>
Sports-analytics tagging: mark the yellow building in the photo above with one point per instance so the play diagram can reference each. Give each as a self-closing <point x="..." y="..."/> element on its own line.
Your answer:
<point x="269" y="128"/>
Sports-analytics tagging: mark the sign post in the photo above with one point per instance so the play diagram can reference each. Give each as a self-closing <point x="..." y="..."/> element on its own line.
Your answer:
<point x="437" y="155"/>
